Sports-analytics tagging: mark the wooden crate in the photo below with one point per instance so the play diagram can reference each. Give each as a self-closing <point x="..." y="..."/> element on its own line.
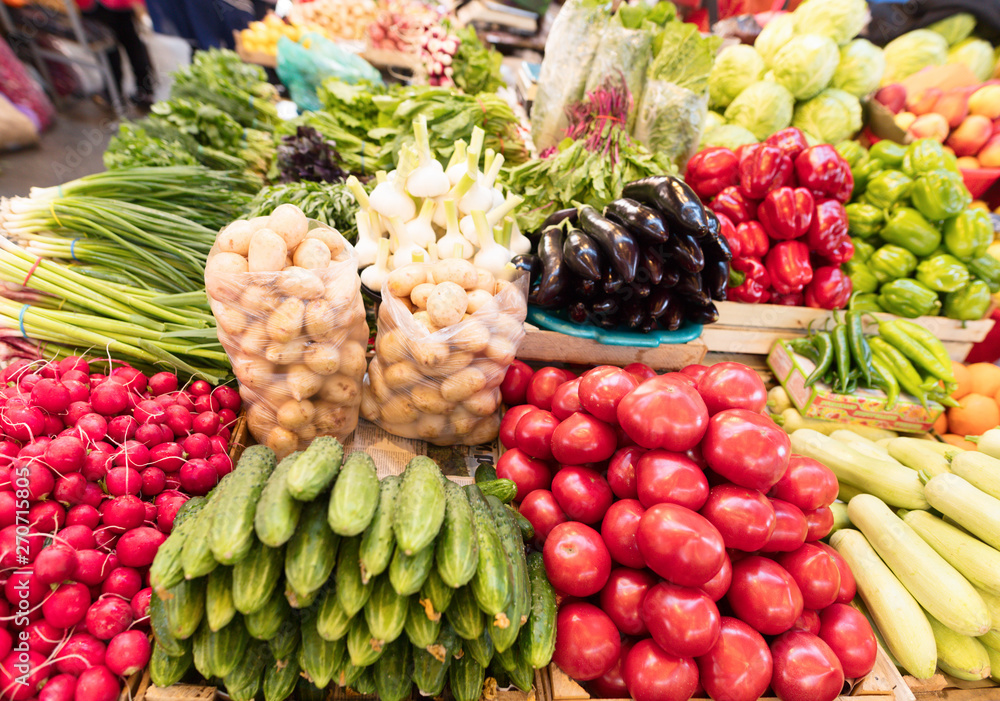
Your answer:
<point x="944" y="686"/>
<point x="258" y="57"/>
<point x="240" y="438"/>
<point x="552" y="347"/>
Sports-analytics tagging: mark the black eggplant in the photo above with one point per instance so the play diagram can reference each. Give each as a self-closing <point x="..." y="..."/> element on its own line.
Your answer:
<point x="614" y="239"/>
<point x="702" y="314"/>
<point x="687" y="253"/>
<point x="660" y="301"/>
<point x="671" y="276"/>
<point x="633" y="313"/>
<point x="648" y="324"/>
<point x="578" y="312"/>
<point x="715" y="279"/>
<point x="689" y="286"/>
<point x="555" y="272"/>
<point x="715" y="246"/>
<point x="650" y="266"/>
<point x="582" y="255"/>
<point x="529" y="263"/>
<point x="587" y="288"/>
<point x="641" y="289"/>
<point x="610" y="281"/>
<point x="674" y="199"/>
<point x="558" y="217"/>
<point x="638" y="218"/>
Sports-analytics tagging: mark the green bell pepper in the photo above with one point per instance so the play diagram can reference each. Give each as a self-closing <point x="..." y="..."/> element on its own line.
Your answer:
<point x="969" y="303"/>
<point x="887" y="188"/>
<point x="852" y="152"/>
<point x="862" y="249"/>
<point x="926" y="155"/>
<point x="862" y="277"/>
<point x="889" y="152"/>
<point x="908" y="228"/>
<point x="909" y="298"/>
<point x="891" y="263"/>
<point x="987" y="269"/>
<point x="968" y="235"/>
<point x="944" y="273"/>
<point x="940" y="195"/>
<point x="865" y="302"/>
<point x="864" y="220"/>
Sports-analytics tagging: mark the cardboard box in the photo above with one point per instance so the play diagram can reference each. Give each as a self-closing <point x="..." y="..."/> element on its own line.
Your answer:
<point x="865" y="406"/>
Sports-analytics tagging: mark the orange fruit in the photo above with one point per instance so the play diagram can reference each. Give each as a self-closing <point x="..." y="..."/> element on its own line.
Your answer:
<point x="985" y="378"/>
<point x="941" y="424"/>
<point x="958" y="441"/>
<point x="975" y="415"/>
<point x="964" y="379"/>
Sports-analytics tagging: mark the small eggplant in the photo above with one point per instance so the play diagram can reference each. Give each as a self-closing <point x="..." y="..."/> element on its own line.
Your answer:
<point x="555" y="273"/>
<point x="617" y="242"/>
<point x="671" y="276"/>
<point x="673" y="319"/>
<point x="588" y="288"/>
<point x="582" y="255"/>
<point x="638" y="218"/>
<point x="683" y="249"/>
<point x="558" y="217"/>
<point x="640" y="289"/>
<point x="715" y="246"/>
<point x="529" y="263"/>
<point x="715" y="279"/>
<point x="633" y="314"/>
<point x="689" y="286"/>
<point x="702" y="314"/>
<point x="674" y="199"/>
<point x="578" y="312"/>
<point x="660" y="301"/>
<point x="648" y="324"/>
<point x="611" y="282"/>
<point x="650" y="266"/>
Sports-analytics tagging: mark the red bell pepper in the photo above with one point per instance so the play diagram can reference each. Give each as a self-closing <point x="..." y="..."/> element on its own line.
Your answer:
<point x="786" y="213"/>
<point x="828" y="235"/>
<point x="711" y="170"/>
<point x="830" y="289"/>
<point x="750" y="241"/>
<point x="790" y="141"/>
<point x="788" y="264"/>
<point x="793" y="299"/>
<point x="741" y="151"/>
<point x="825" y="173"/>
<point x="735" y="205"/>
<point x="763" y="168"/>
<point x="749" y="281"/>
<point x="726" y="228"/>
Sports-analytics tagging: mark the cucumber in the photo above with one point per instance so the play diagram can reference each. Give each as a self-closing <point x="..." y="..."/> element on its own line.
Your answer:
<point x="457" y="548"/>
<point x="360" y="645"/>
<point x="315" y="468"/>
<point x="480" y="648"/>
<point x="167" y="570"/>
<point x="419" y="514"/>
<point x="503" y="489"/>
<point x="165" y="670"/>
<point x="285" y="642"/>
<point x="280" y="678"/>
<point x="491" y="585"/>
<point x="277" y="511"/>
<point x="430" y="665"/>
<point x="305" y="690"/>
<point x="354" y="497"/>
<point x="435" y="595"/>
<point x="226" y="647"/>
<point x="184" y="606"/>
<point x="232" y="533"/>
<point x="538" y="637"/>
<point x="385" y="612"/>
<point x="504" y="636"/>
<point x="256" y="576"/>
<point x="196" y="555"/>
<point x="392" y="672"/>
<point x="298" y="601"/>
<point x="318" y="658"/>
<point x="464" y="614"/>
<point x="331" y="621"/>
<point x="244" y="681"/>
<point x="485" y="473"/>
<point x="350" y="674"/>
<point x="352" y="591"/>
<point x="265" y="623"/>
<point x="407" y="573"/>
<point x="465" y="677"/>
<point x="165" y="640"/>
<point x="523" y="524"/>
<point x="310" y="554"/>
<point x="365" y="684"/>
<point x="201" y="652"/>
<point x="421" y="630"/>
<point x="517" y="668"/>
<point x="378" y="541"/>
<point x="219" y="609"/>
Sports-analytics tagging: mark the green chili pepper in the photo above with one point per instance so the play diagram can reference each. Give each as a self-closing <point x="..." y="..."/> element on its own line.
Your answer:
<point x="824" y="347"/>
<point x="915" y="350"/>
<point x="885" y="380"/>
<point x="852" y="382"/>
<point x="842" y="354"/>
<point x="929" y="341"/>
<point x="907" y="376"/>
<point x="803" y="347"/>
<point x="860" y="349"/>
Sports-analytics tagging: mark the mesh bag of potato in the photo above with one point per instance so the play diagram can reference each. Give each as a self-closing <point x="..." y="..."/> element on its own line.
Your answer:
<point x="447" y="332"/>
<point x="285" y="294"/>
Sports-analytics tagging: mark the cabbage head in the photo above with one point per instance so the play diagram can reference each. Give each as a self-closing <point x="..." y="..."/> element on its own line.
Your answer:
<point x="976" y="54"/>
<point x="956" y="28"/>
<point x="832" y="116"/>
<point x="773" y="36"/>
<point x="913" y="52"/>
<point x="763" y="108"/>
<point x="727" y="136"/>
<point x="840" y="20"/>
<point x="735" y="69"/>
<point x="861" y="67"/>
<point x="712" y="120"/>
<point x="805" y="65"/>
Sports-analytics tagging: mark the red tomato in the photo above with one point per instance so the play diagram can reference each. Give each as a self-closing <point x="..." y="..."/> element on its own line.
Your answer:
<point x="582" y="493"/>
<point x="611" y="684"/>
<point x="576" y="560"/>
<point x="718" y="585"/>
<point x="819" y="523"/>
<point x="850" y="636"/>
<point x="680" y="545"/>
<point x="619" y="528"/>
<point x="514" y="388"/>
<point x="566" y="400"/>
<point x="732" y="386"/>
<point x="622" y="597"/>
<point x="699" y="459"/>
<point x="587" y="642"/>
<point x="670" y="478"/>
<point x="544" y="384"/>
<point x="582" y="439"/>
<point x="602" y="388"/>
<point x="682" y="378"/>
<point x="640" y="371"/>
<point x="807" y="483"/>
<point x="816" y="574"/>
<point x="805" y="668"/>
<point x="683" y="621"/>
<point x="544" y="514"/>
<point x="746" y="448"/>
<point x="764" y="595"/>
<point x="621" y="472"/>
<point x="808" y="621"/>
<point x="694" y="371"/>
<point x="533" y="434"/>
<point x="790" y="528"/>
<point x="528" y="473"/>
<point x="664" y="413"/>
<point x="738" y="668"/>
<point x="651" y="674"/>
<point x="848" y="587"/>
<point x="509" y="422"/>
<point x="744" y="517"/>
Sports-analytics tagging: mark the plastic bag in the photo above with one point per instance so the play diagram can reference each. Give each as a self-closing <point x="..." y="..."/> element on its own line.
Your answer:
<point x="669" y="120"/>
<point x="305" y="65"/>
<point x="296" y="337"/>
<point x="16" y="128"/>
<point x="624" y="52"/>
<point x="443" y="386"/>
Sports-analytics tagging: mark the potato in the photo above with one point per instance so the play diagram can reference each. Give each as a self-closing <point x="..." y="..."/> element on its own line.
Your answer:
<point x="318" y="317"/>
<point x="424" y="319"/>
<point x="331" y="237"/>
<point x="282" y="441"/>
<point x="223" y="276"/>
<point x="477" y="300"/>
<point x="301" y="283"/>
<point x="470" y="335"/>
<point x="463" y="384"/>
<point x="290" y="223"/>
<point x="483" y="403"/>
<point x="306" y="433"/>
<point x="402" y="374"/>
<point x="378" y="386"/>
<point x="259" y="300"/>
<point x="454" y="363"/>
<point x="462" y="421"/>
<point x="286" y="322"/>
<point x="500" y="350"/>
<point x="254" y="372"/>
<point x="369" y="407"/>
<point x="224" y="264"/>
<point x="312" y="254"/>
<point x="303" y="382"/>
<point x="399" y="409"/>
<point x="258" y="223"/>
<point x="391" y="346"/>
<point x="419" y="294"/>
<point x="294" y="415"/>
<point x="286" y="353"/>
<point x="289" y="263"/>
<point x="235" y="238"/>
<point x="485" y="280"/>
<point x="342" y="287"/>
<point x="340" y="389"/>
<point x="429" y="353"/>
<point x="402" y="280"/>
<point x="485" y="431"/>
<point x="260" y="421"/>
<point x="428" y="399"/>
<point x="446" y="304"/>
<point x="267" y="252"/>
<point x="275" y="394"/>
<point x="352" y="360"/>
<point x="461" y="272"/>
<point x="430" y="427"/>
<point x="322" y="358"/>
<point x="229" y="319"/>
<point x="506" y="326"/>
<point x="494" y="373"/>
<point x="254" y="338"/>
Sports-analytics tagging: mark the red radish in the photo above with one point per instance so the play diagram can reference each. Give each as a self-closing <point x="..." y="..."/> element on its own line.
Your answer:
<point x="217" y="444"/>
<point x="28" y="380"/>
<point x="150" y="435"/>
<point x="122" y="581"/>
<point x="173" y="481"/>
<point x="138" y="547"/>
<point x="6" y="642"/>
<point x="149" y="412"/>
<point x="70" y="489"/>
<point x="107" y="617"/>
<point x="8" y="509"/>
<point x="47" y="516"/>
<point x="130" y="377"/>
<point x="109" y="398"/>
<point x="150" y="515"/>
<point x="43" y="637"/>
<point x="199" y="387"/>
<point x="169" y="457"/>
<point x="207" y="422"/>
<point x="8" y="450"/>
<point x="50" y="395"/>
<point x="22" y="423"/>
<point x="123" y="480"/>
<point x="66" y="454"/>
<point x="53" y="424"/>
<point x="92" y="567"/>
<point x="94" y="495"/>
<point x="77" y="537"/>
<point x="123" y="513"/>
<point x="23" y="588"/>
<point x="83" y="515"/>
<point x="179" y="420"/>
<point x="78" y="391"/>
<point x="197" y="445"/>
<point x="122" y="428"/>
<point x="9" y="542"/>
<point x="97" y="378"/>
<point x="162" y="383"/>
<point x="96" y="465"/>
<point x="106" y="538"/>
<point x="73" y="363"/>
<point x="97" y="684"/>
<point x="184" y="400"/>
<point x="22" y="674"/>
<point x="166" y="513"/>
<point x="227" y="417"/>
<point x="5" y="485"/>
<point x="61" y="687"/>
<point x="222" y="463"/>
<point x="76" y="376"/>
<point x="76" y="411"/>
<point x="206" y="402"/>
<point x="93" y="427"/>
<point x="11" y="372"/>
<point x="154" y="480"/>
<point x="81" y="652"/>
<point x="133" y="454"/>
<point x="35" y="449"/>
<point x="55" y="564"/>
<point x="40" y="481"/>
<point x="140" y="604"/>
<point x="228" y="398"/>
<point x="67" y="605"/>
<point x="128" y="652"/>
<point x="198" y="477"/>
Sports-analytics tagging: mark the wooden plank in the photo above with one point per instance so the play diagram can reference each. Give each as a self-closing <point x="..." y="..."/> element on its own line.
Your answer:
<point x="180" y="692"/>
<point x="960" y="695"/>
<point x="884" y="677"/>
<point x="239" y="438"/>
<point x="743" y="341"/>
<point x="549" y="346"/>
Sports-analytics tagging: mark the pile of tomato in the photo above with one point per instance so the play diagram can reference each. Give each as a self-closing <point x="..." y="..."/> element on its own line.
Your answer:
<point x="682" y="535"/>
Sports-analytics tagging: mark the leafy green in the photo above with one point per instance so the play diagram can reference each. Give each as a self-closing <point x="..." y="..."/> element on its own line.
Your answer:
<point x="684" y="57"/>
<point x="133" y="146"/>
<point x="221" y="78"/>
<point x="476" y="66"/>
<point x="352" y="106"/>
<point x="331" y="203"/>
<point x="358" y="154"/>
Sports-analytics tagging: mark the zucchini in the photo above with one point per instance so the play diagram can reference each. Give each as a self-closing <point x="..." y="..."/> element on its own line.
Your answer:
<point x="360" y="645"/>
<point x="435" y="595"/>
<point x="285" y="642"/>
<point x="331" y="621"/>
<point x="421" y="630"/>
<point x="959" y="655"/>
<point x="994" y="656"/>
<point x="352" y="591"/>
<point x="523" y="524"/>
<point x="196" y="556"/>
<point x="167" y="570"/>
<point x="918" y="454"/>
<point x="315" y="468"/>
<point x="491" y="584"/>
<point x="310" y="554"/>
<point x="226" y="647"/>
<point x="466" y="677"/>
<point x="430" y="664"/>
<point x="407" y="573"/>
<point x="318" y="658"/>
<point x="277" y="511"/>
<point x="378" y="541"/>
<point x="201" y="651"/>
<point x="232" y="533"/>
<point x="165" y="670"/>
<point x="244" y="681"/>
<point x="392" y="672"/>
<point x="989" y="443"/>
<point x="840" y="517"/>
<point x="457" y="548"/>
<point x="972" y="509"/>
<point x="279" y="679"/>
<point x="256" y="576"/>
<point x="992" y="602"/>
<point x="520" y="672"/>
<point x="354" y="497"/>
<point x="219" y="609"/>
<point x="977" y="561"/>
<point x="385" y="612"/>
<point x="184" y="606"/>
<point x="979" y="470"/>
<point x="480" y="648"/>
<point x="265" y="623"/>
<point x="170" y="645"/>
<point x="896" y="613"/>
<point x="418" y="516"/>
<point x="520" y="599"/>
<point x="538" y="637"/>
<point x="485" y="473"/>
<point x="503" y="489"/>
<point x="464" y="614"/>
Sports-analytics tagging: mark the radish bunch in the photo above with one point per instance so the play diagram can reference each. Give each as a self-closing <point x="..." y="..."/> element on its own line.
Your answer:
<point x="437" y="51"/>
<point x="93" y="470"/>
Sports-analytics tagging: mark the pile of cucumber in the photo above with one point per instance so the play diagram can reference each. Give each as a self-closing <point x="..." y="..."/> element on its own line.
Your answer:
<point x="291" y="576"/>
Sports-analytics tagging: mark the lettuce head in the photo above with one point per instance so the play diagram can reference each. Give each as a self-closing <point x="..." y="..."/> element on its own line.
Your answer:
<point x="806" y="64"/>
<point x="840" y="20"/>
<point x="956" y="28"/>
<point x="735" y="69"/>
<point x="727" y="136"/>
<point x="763" y="108"/>
<point x="832" y="116"/>
<point x="913" y="52"/>
<point x="861" y="67"/>
<point x="775" y="34"/>
<point x="976" y="54"/>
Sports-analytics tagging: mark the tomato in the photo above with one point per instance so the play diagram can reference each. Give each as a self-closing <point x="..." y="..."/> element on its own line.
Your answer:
<point x="587" y="642"/>
<point x="744" y="517"/>
<point x="738" y="667"/>
<point x="576" y="560"/>
<point x="670" y="478"/>
<point x="619" y="528"/>
<point x="718" y="585"/>
<point x="611" y="684"/>
<point x="528" y="473"/>
<point x="819" y="523"/>
<point x="509" y="422"/>
<point x="514" y="388"/>
<point x="543" y="512"/>
<point x="816" y="574"/>
<point x="651" y="674"/>
<point x="805" y="668"/>
<point x="850" y="636"/>
<point x="682" y="378"/>
<point x="582" y="439"/>
<point x="848" y="587"/>
<point x="566" y="400"/>
<point x="582" y="493"/>
<point x="544" y="384"/>
<point x="732" y="386"/>
<point x="807" y="483"/>
<point x="664" y="413"/>
<point x="533" y="433"/>
<point x="764" y="595"/>
<point x="746" y="448"/>
<point x="602" y="388"/>
<point x="683" y="621"/>
<point x="640" y="371"/>
<point x="621" y="472"/>
<point x="699" y="458"/>
<point x="790" y="528"/>
<point x="695" y="372"/>
<point x="808" y="621"/>
<point x="680" y="545"/>
<point x="622" y="597"/>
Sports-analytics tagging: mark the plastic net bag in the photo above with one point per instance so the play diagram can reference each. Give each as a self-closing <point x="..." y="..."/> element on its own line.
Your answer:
<point x="669" y="120"/>
<point x="285" y="294"/>
<point x="303" y="67"/>
<point x="447" y="333"/>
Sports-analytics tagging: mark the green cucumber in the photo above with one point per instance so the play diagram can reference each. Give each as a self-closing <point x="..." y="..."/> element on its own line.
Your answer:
<point x="430" y="664"/>
<point x="503" y="489"/>
<point x="392" y="672"/>
<point x="243" y="683"/>
<point x="521" y="673"/>
<point x="538" y="637"/>
<point x="232" y="533"/>
<point x="285" y="642"/>
<point x="421" y="630"/>
<point x="360" y="644"/>
<point x="165" y="670"/>
<point x="352" y="590"/>
<point x="331" y="621"/>
<point x="280" y="678"/>
<point x="305" y="690"/>
<point x="219" y="609"/>
<point x="315" y="468"/>
<point x="355" y="496"/>
<point x="465" y="678"/>
<point x="419" y="514"/>
<point x="264" y="623"/>
<point x="196" y="555"/>
<point x="184" y="606"/>
<point x="435" y="593"/>
<point x="378" y="541"/>
<point x="485" y="473"/>
<point x="464" y="614"/>
<point x="256" y="576"/>
<point x="227" y="646"/>
<point x="365" y="684"/>
<point x="298" y="601"/>
<point x="385" y="612"/>
<point x="409" y="572"/>
<point x="491" y="585"/>
<point x="170" y="645"/>
<point x="457" y="548"/>
<point x="349" y="675"/>
<point x="480" y="648"/>
<point x="201" y="651"/>
<point x="504" y="636"/>
<point x="318" y="658"/>
<point x="167" y="570"/>
<point x="523" y="524"/>
<point x="277" y="511"/>
<point x="310" y="554"/>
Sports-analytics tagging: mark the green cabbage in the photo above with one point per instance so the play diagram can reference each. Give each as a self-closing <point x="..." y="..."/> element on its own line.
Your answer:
<point x="763" y="108"/>
<point x="955" y="28"/>
<point x="735" y="69"/>
<point x="832" y="116"/>
<point x="712" y="120"/>
<point x="727" y="136"/>
<point x="775" y="34"/>
<point x="861" y="67"/>
<point x="976" y="54"/>
<point x="912" y="52"/>
<point x="805" y="65"/>
<point x="840" y="20"/>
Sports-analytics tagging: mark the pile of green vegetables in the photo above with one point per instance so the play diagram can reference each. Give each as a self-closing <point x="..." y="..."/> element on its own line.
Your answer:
<point x="291" y="576"/>
<point x="476" y="65"/>
<point x="330" y="203"/>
